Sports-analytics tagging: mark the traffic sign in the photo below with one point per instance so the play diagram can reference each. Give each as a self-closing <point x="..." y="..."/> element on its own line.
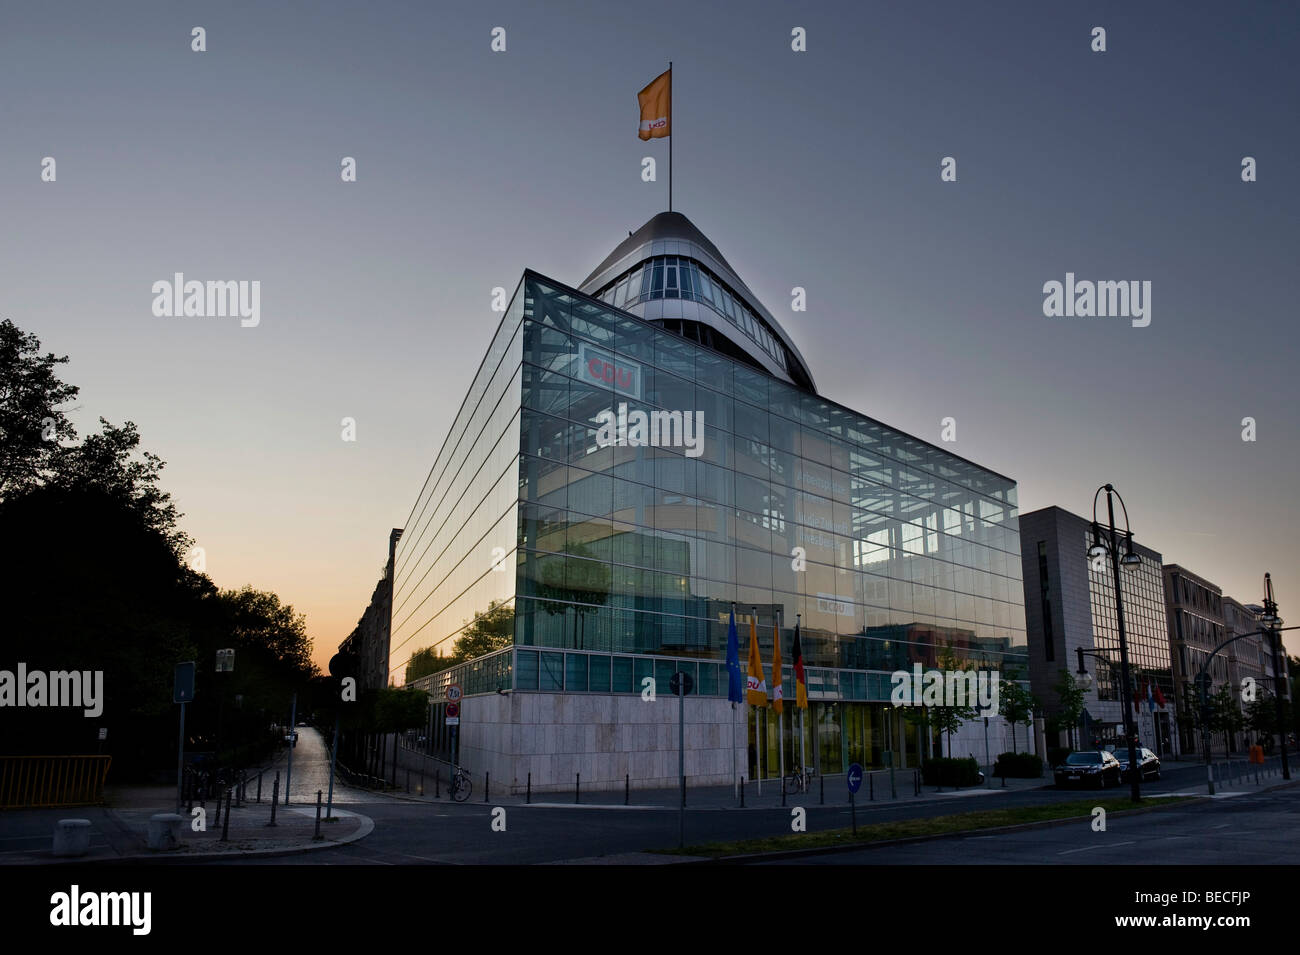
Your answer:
<point x="855" y="777"/>
<point x="677" y="678"/>
<point x="103" y="732"/>
<point x="453" y="709"/>
<point x="454" y="693"/>
<point x="453" y="721"/>
<point x="183" y="683"/>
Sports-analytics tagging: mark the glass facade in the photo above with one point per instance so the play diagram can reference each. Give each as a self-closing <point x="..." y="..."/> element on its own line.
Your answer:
<point x="624" y="561"/>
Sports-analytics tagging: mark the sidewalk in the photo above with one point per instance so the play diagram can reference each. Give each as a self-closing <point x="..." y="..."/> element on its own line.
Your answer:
<point x="875" y="790"/>
<point x="120" y="828"/>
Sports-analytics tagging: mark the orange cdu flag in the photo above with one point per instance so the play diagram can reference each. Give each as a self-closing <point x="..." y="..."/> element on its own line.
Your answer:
<point x="756" y="687"/>
<point x="656" y="102"/>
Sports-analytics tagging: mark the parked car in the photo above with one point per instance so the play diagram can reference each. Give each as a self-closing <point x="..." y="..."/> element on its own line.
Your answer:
<point x="1089" y="768"/>
<point x="1147" y="760"/>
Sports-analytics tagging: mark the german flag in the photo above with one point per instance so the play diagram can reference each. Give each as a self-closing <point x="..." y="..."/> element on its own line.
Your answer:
<point x="800" y="680"/>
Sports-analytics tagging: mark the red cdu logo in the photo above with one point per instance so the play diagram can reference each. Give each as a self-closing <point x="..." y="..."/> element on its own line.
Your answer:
<point x="608" y="370"/>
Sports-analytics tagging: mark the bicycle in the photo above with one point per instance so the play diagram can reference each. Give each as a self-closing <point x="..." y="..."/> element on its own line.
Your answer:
<point x="460" y="786"/>
<point x="799" y="780"/>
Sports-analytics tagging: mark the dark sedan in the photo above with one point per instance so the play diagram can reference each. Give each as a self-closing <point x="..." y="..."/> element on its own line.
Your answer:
<point x="1147" y="760"/>
<point x="1090" y="768"/>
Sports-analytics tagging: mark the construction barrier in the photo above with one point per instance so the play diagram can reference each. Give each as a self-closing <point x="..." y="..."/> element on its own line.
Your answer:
<point x="35" y="782"/>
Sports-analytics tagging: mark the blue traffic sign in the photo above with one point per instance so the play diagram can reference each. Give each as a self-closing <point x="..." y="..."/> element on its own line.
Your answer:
<point x="183" y="684"/>
<point x="855" y="777"/>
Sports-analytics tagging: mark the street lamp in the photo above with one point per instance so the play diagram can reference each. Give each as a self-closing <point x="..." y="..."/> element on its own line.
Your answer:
<point x="1106" y="540"/>
<point x="1272" y="623"/>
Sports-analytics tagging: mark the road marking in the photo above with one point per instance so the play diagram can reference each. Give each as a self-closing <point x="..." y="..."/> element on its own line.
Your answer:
<point x="1224" y="826"/>
<point x="1113" y="845"/>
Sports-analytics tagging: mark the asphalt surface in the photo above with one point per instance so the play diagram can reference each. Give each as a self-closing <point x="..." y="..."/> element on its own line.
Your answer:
<point x="1255" y="828"/>
<point x="439" y="832"/>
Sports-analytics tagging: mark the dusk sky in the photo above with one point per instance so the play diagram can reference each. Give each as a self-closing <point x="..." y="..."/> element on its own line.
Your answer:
<point x="818" y="169"/>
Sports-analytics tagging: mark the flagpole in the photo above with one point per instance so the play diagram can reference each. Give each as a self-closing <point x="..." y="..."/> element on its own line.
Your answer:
<point x="803" y="750"/>
<point x="780" y="716"/>
<point x="670" y="136"/>
<point x="758" y="733"/>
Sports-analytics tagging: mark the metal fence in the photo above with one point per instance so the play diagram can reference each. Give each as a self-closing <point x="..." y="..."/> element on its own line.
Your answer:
<point x="35" y="782"/>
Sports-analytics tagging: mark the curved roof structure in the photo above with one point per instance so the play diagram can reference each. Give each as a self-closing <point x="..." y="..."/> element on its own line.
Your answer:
<point x="669" y="273"/>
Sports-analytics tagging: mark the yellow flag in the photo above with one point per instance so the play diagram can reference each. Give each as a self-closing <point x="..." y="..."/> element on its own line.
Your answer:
<point x="656" y="102"/>
<point x="776" y="670"/>
<point x="756" y="688"/>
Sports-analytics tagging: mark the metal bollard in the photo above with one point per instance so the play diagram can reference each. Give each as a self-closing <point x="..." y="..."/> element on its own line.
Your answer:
<point x="528" y="793"/>
<point x="823" y="793"/>
<point x="742" y="792"/>
<point x="783" y="793"/>
<point x="577" y="788"/>
<point x="408" y="779"/>
<point x="318" y="805"/>
<point x="627" y="787"/>
<point x="259" y="785"/>
<point x="216" y="820"/>
<point x="225" y="820"/>
<point x="871" y="786"/>
<point x="275" y="797"/>
<point x="487" y="785"/>
<point x="437" y="784"/>
<point x="422" y="778"/>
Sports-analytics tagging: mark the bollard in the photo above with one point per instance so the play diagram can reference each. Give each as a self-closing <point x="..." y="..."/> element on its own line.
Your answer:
<point x="627" y="787"/>
<point x="318" y="805"/>
<point x="422" y="777"/>
<point x="528" y="795"/>
<point x="742" y="792"/>
<point x="487" y="785"/>
<point x="823" y="794"/>
<point x="871" y="787"/>
<point x="216" y="820"/>
<point x="259" y="784"/>
<point x="437" y="784"/>
<point x="408" y="779"/>
<point x="239" y="793"/>
<point x="783" y="793"/>
<point x="225" y="820"/>
<point x="577" y="788"/>
<point x="275" y="797"/>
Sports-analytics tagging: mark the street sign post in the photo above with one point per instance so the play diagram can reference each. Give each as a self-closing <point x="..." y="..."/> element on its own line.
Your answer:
<point x="182" y="693"/>
<point x="854" y="779"/>
<point x="453" y="714"/>
<point x="681" y="683"/>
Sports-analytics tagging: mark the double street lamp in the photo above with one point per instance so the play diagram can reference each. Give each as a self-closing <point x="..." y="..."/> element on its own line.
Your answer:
<point x="1106" y="540"/>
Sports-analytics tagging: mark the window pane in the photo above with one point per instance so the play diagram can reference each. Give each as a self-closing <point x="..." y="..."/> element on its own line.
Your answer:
<point x="622" y="676"/>
<point x="599" y="682"/>
<point x="526" y="672"/>
<point x="552" y="671"/>
<point x="575" y="677"/>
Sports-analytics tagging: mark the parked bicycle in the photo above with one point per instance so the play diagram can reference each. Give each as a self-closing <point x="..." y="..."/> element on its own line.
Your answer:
<point x="799" y="780"/>
<point x="460" y="786"/>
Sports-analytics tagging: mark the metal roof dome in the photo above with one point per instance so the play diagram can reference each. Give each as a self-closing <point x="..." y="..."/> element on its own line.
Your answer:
<point x="711" y="304"/>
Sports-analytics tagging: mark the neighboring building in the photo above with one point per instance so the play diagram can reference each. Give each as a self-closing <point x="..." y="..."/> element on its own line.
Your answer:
<point x="622" y="561"/>
<point x="1194" y="607"/>
<point x="1070" y="604"/>
<point x="369" y="641"/>
<point x="1249" y="658"/>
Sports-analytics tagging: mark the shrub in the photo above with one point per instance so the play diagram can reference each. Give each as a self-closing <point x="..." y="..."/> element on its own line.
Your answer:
<point x="946" y="771"/>
<point x="1018" y="766"/>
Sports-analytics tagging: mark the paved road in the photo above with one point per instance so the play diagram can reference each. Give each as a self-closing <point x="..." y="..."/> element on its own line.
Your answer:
<point x="457" y="833"/>
<point x="311" y="771"/>
<point x="1252" y="828"/>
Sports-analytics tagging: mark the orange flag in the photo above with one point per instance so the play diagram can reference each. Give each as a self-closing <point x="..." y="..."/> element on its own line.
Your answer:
<point x="656" y="102"/>
<point x="777" y="692"/>
<point x="756" y="689"/>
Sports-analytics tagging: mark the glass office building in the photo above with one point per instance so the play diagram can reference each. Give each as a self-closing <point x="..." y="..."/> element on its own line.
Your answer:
<point x="599" y="563"/>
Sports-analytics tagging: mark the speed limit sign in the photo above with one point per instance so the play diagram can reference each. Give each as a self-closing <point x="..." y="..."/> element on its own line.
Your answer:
<point x="454" y="693"/>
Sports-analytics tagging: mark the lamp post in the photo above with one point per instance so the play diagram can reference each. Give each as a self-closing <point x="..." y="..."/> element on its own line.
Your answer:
<point x="1106" y="541"/>
<point x="1272" y="623"/>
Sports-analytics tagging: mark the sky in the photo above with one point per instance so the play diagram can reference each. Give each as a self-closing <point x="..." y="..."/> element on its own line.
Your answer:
<point x="818" y="169"/>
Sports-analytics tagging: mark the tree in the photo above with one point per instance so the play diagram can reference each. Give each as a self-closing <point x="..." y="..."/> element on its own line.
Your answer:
<point x="1225" y="716"/>
<point x="398" y="709"/>
<point x="490" y="630"/>
<point x="1070" y="697"/>
<point x="32" y="422"/>
<point x="1015" y="703"/>
<point x="574" y="579"/>
<point x="426" y="661"/>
